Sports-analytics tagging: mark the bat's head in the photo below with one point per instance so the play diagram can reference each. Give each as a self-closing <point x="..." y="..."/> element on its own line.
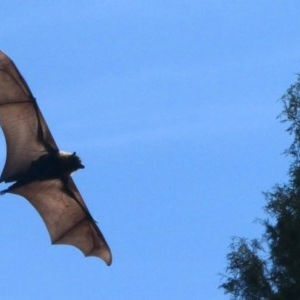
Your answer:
<point x="70" y="161"/>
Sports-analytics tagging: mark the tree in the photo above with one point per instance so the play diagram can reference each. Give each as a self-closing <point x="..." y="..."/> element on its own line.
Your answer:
<point x="269" y="267"/>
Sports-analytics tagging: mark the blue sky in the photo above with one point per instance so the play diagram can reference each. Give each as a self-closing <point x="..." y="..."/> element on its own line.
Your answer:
<point x="172" y="107"/>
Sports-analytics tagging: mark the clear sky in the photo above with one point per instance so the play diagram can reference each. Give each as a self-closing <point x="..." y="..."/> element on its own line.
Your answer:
<point x="172" y="107"/>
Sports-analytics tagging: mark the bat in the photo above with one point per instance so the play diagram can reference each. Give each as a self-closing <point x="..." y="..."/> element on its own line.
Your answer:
<point x="40" y="172"/>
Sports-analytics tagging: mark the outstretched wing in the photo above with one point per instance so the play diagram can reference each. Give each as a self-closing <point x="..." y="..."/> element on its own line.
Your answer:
<point x="28" y="138"/>
<point x="26" y="132"/>
<point x="66" y="216"/>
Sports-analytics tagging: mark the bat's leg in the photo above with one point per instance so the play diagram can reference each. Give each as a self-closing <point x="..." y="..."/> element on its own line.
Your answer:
<point x="3" y="192"/>
<point x="9" y="188"/>
<point x="17" y="184"/>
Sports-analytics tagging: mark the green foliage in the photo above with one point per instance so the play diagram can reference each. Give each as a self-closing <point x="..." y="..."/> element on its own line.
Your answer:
<point x="274" y="274"/>
<point x="248" y="278"/>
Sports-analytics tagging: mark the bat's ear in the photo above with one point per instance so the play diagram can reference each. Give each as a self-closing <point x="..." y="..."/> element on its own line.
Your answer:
<point x="70" y="162"/>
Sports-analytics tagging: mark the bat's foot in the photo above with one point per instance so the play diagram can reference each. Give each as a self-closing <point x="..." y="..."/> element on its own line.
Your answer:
<point x="3" y="192"/>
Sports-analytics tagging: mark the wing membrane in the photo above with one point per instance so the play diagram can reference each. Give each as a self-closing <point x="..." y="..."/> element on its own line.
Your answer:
<point x="24" y="127"/>
<point x="67" y="219"/>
